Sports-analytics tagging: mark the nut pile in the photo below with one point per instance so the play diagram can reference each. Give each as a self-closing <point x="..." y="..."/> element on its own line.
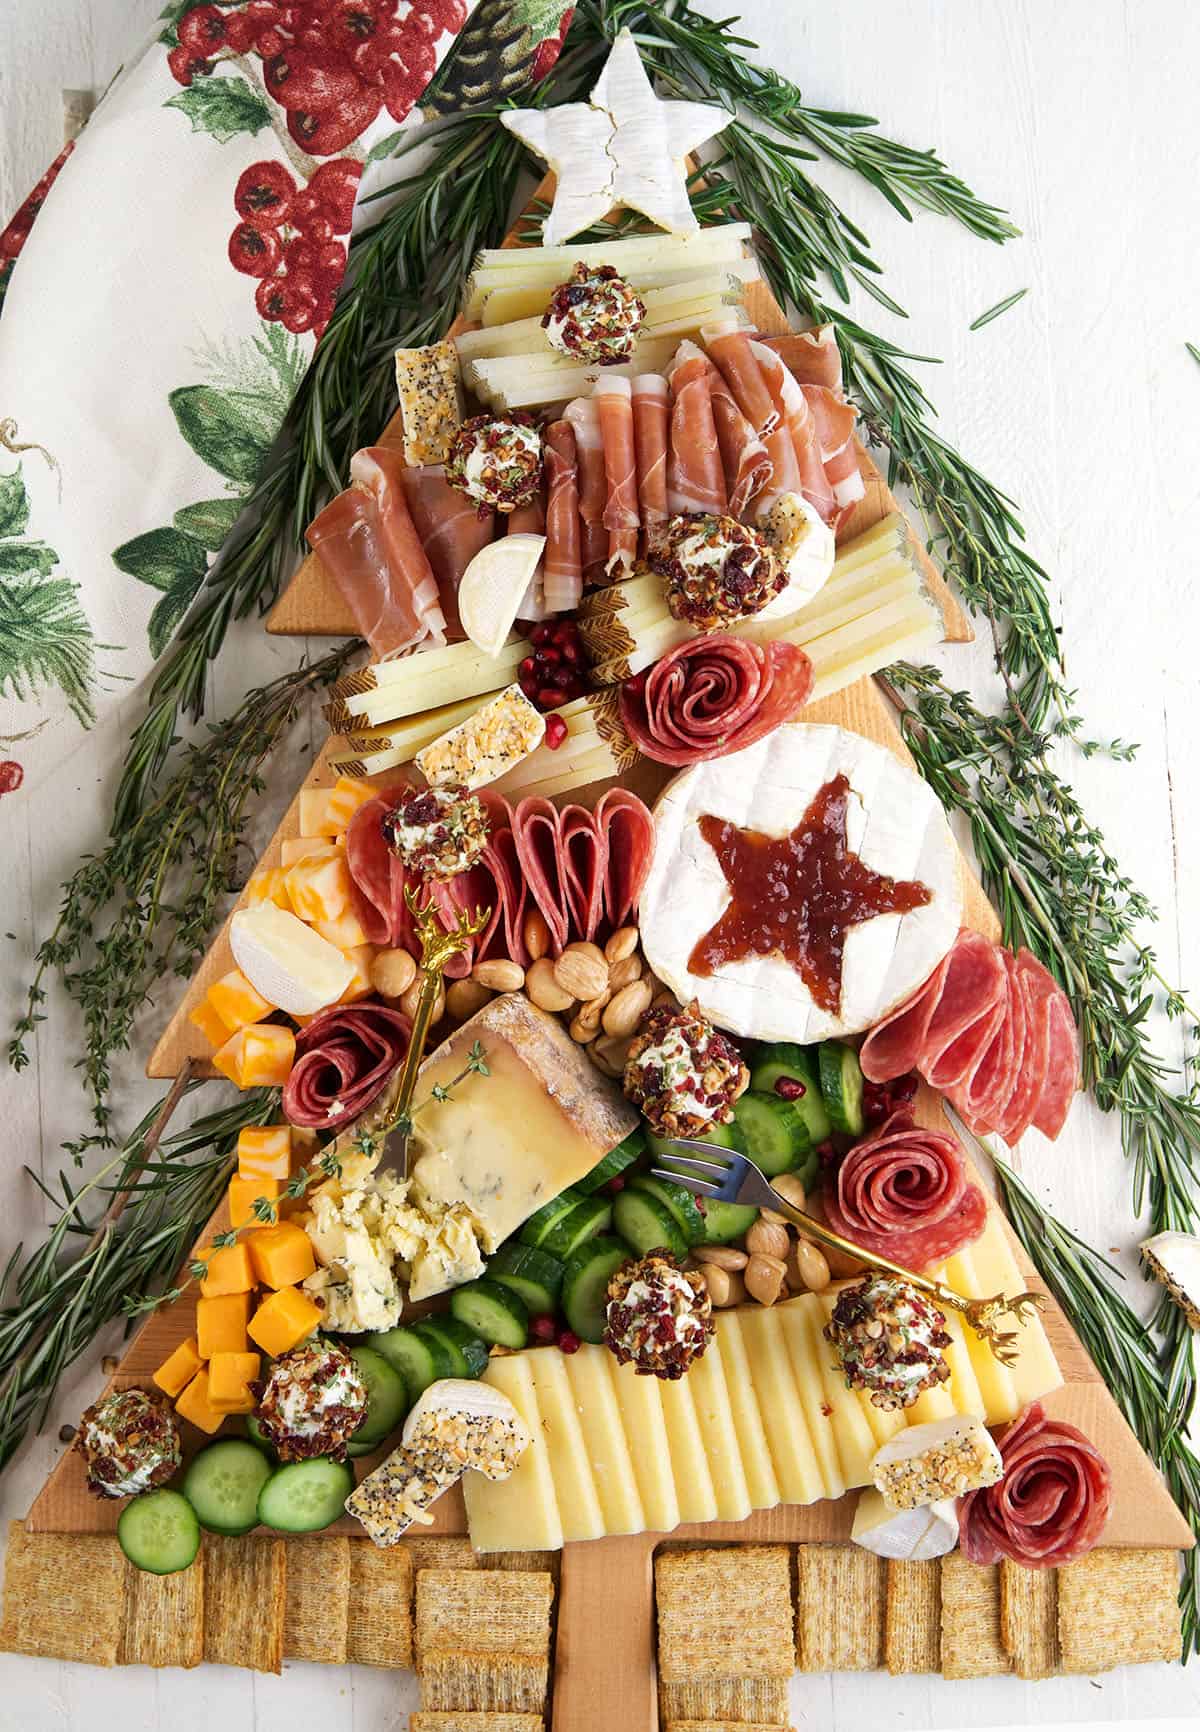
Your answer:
<point x="775" y="1260"/>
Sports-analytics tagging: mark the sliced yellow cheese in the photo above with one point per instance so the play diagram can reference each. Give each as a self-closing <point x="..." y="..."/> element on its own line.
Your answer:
<point x="520" y="1513"/>
<point x="801" y="1321"/>
<point x="574" y="1488"/>
<point x="1000" y="1400"/>
<point x="714" y="1414"/>
<point x="747" y="1420"/>
<point x="854" y="1438"/>
<point x="639" y="1400"/>
<point x="604" y="1440"/>
<point x="1036" y="1371"/>
<point x="884" y="1422"/>
<point x="689" y="1464"/>
<point x="366" y="751"/>
<point x="793" y="1453"/>
<point x="411" y="684"/>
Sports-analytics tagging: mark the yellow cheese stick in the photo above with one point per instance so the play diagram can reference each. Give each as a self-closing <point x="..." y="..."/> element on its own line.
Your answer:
<point x="747" y="1419"/>
<point x="792" y="1451"/>
<point x="689" y="1464"/>
<point x="570" y="1468"/>
<point x="995" y="1380"/>
<point x="604" y="1440"/>
<point x="855" y="1440"/>
<point x="520" y="1513"/>
<point x="706" y="1380"/>
<point x="801" y="1322"/>
<point x="641" y="1409"/>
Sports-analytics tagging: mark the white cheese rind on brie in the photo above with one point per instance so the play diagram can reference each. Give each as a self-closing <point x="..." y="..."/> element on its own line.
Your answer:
<point x="291" y="965"/>
<point x="894" y="823"/>
<point x="910" y="1534"/>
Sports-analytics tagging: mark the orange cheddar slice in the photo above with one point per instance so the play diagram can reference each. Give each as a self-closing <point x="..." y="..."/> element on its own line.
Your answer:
<point x="244" y="1193"/>
<point x="346" y="931"/>
<point x="236" y="1002"/>
<point x="267" y="884"/>
<point x="195" y="1406"/>
<point x="265" y="1152"/>
<point x="283" y="1320"/>
<point x="319" y="887"/>
<point x="282" y="1255"/>
<point x="361" y="955"/>
<point x="221" y="1323"/>
<point x="178" y="1368"/>
<point x="259" y="1056"/>
<point x="229" y="1270"/>
<point x="229" y="1378"/>
<point x="209" y="1023"/>
<point x="304" y="848"/>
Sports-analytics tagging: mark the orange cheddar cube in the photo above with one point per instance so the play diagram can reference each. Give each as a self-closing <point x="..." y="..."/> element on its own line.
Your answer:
<point x="265" y="1152"/>
<point x="305" y="848"/>
<point x="209" y="1023"/>
<point x="244" y="1193"/>
<point x="229" y="1270"/>
<point x="346" y="931"/>
<point x="229" y="1378"/>
<point x="259" y="1056"/>
<point x="361" y="955"/>
<point x="282" y="1255"/>
<point x="178" y="1368"/>
<point x="221" y="1323"/>
<point x="283" y="1320"/>
<point x="312" y="811"/>
<point x="319" y="887"/>
<point x="236" y="1002"/>
<point x="194" y="1404"/>
<point x="267" y="884"/>
<point x="342" y="802"/>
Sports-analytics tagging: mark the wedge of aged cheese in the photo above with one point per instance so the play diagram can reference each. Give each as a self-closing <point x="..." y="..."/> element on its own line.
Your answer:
<point x="793" y="1454"/>
<point x="928" y="1532"/>
<point x="505" y="1143"/>
<point x="714" y="1415"/>
<point x="639" y="1400"/>
<point x="427" y="381"/>
<point x="493" y="587"/>
<point x="502" y="733"/>
<point x="689" y="1464"/>
<point x="608" y="1454"/>
<point x="520" y="1513"/>
<point x="747" y="1418"/>
<point x="290" y="964"/>
<point x="570" y="1467"/>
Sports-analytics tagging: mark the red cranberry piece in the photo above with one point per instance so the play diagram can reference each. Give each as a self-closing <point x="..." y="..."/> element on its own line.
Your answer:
<point x="556" y="733"/>
<point x="616" y="1184"/>
<point x="543" y="1328"/>
<point x="789" y="1088"/>
<point x="569" y="1342"/>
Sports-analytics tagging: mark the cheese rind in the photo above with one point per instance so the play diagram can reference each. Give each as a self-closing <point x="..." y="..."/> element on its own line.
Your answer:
<point x="946" y="1458"/>
<point x="290" y="964"/>
<point x="929" y="1531"/>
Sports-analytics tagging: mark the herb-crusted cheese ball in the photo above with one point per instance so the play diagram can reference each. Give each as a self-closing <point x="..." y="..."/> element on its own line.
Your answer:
<point x="715" y="570"/>
<point x="497" y="461"/>
<point x="439" y="832"/>
<point x="889" y="1339"/>
<point x="130" y="1443"/>
<point x="682" y="1074"/>
<point x="594" y="316"/>
<point x="659" y="1316"/>
<point x="313" y="1401"/>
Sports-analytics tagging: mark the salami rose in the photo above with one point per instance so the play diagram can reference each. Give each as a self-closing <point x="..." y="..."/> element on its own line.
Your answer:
<point x="903" y="1192"/>
<point x="343" y="1059"/>
<point x="713" y="695"/>
<point x="1052" y="1503"/>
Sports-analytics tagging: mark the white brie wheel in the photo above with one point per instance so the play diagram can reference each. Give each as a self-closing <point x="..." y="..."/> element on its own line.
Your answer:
<point x="894" y="823"/>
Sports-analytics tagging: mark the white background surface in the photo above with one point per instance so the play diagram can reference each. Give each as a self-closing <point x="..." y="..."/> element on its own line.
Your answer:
<point x="1079" y="117"/>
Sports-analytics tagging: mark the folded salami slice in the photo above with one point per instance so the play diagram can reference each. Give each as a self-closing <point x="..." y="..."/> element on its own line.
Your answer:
<point x="894" y="1046"/>
<point x="537" y="831"/>
<point x="343" y="1059"/>
<point x="713" y="695"/>
<point x="1052" y="1503"/>
<point x="903" y="1193"/>
<point x="378" y="876"/>
<point x="974" y="982"/>
<point x="627" y="826"/>
<point x="495" y="883"/>
<point x="584" y="863"/>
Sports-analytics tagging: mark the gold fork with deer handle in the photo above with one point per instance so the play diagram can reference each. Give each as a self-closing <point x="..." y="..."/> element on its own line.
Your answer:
<point x="736" y="1179"/>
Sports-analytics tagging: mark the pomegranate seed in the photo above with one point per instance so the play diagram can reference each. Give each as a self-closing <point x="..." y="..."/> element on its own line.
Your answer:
<point x="569" y="1342"/>
<point x="541" y="634"/>
<point x="826" y="1154"/>
<point x="570" y="652"/>
<point x="789" y="1089"/>
<point x="615" y="1184"/>
<point x="556" y="733"/>
<point x="527" y="666"/>
<point x="548" y="656"/>
<point x="543" y="1328"/>
<point x="636" y="686"/>
<point x="551" y="698"/>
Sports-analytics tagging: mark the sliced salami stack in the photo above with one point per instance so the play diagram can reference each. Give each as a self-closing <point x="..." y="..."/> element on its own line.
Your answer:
<point x="904" y="1193"/>
<point x="344" y="1058"/>
<point x="713" y="695"/>
<point x="1052" y="1503"/>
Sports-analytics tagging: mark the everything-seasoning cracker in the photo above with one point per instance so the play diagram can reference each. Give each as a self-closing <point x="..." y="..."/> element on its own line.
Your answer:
<point x="63" y="1596"/>
<point x="1118" y="1607"/>
<point x="484" y="1611"/>
<point x="912" y="1623"/>
<point x="245" y="1594"/>
<point x="162" y="1623"/>
<point x="1029" y="1619"/>
<point x="488" y="1683"/>
<point x="840" y="1597"/>
<point x="317" y="1602"/>
<point x="971" y="1643"/>
<point x="726" y="1612"/>
<point x="381" y="1593"/>
<point x="753" y="1701"/>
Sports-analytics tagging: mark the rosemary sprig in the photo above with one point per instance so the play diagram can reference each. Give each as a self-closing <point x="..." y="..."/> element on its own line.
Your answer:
<point x="985" y="318"/>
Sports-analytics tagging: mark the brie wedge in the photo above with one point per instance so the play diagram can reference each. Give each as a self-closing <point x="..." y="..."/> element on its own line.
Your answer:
<point x="1174" y="1259"/>
<point x="473" y="1423"/>
<point x="894" y="824"/>
<point x="290" y="964"/>
<point x="908" y="1534"/>
<point x="942" y="1458"/>
<point x="493" y="587"/>
<point x="804" y="546"/>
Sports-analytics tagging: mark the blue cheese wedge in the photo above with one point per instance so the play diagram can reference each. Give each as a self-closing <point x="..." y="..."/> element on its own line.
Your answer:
<point x="944" y="1458"/>
<point x="430" y="401"/>
<point x="502" y="733"/>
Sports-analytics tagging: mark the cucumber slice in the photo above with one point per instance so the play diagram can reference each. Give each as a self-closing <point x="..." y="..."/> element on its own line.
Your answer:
<point x="495" y="1312"/>
<point x="798" y="1064"/>
<point x="533" y="1275"/>
<point x="722" y="1221"/>
<point x="720" y="1136"/>
<point x="158" y="1531"/>
<point x="841" y="1086"/>
<point x="356" y="1447"/>
<point x="467" y="1353"/>
<point x="687" y="1212"/>
<point x="614" y="1162"/>
<point x="387" y="1395"/>
<point x="305" y="1496"/>
<point x="420" y="1360"/>
<point x="585" y="1284"/>
<point x="258" y="1436"/>
<point x="542" y="1220"/>
<point x="647" y="1225"/>
<point x="775" y="1134"/>
<point x="590" y="1216"/>
<point x="222" y="1485"/>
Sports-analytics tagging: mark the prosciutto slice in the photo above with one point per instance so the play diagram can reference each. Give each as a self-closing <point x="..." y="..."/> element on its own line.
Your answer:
<point x="812" y="357"/>
<point x="562" y="563"/>
<point x="583" y="417"/>
<point x="452" y="532"/>
<point x="713" y="695"/>
<point x="366" y="540"/>
<point x="627" y="826"/>
<point x="695" y="478"/>
<point x="743" y="453"/>
<point x="1051" y="1504"/>
<point x="379" y="876"/>
<point x="584" y="859"/>
<point x="808" y="471"/>
<point x="903" y="1193"/>
<point x="834" y="419"/>
<point x="344" y="1058"/>
<point x="731" y="351"/>
<point x="614" y="401"/>
<point x="651" y="427"/>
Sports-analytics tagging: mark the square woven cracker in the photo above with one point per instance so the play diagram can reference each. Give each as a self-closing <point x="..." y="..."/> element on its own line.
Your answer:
<point x="380" y="1624"/>
<point x="841" y="1592"/>
<point x="245" y="1591"/>
<point x="317" y="1603"/>
<point x="163" y="1620"/>
<point x="491" y="1683"/>
<point x="752" y="1701"/>
<point x="971" y="1644"/>
<point x="443" y="1552"/>
<point x="466" y="1720"/>
<point x="724" y="1613"/>
<point x="912" y="1623"/>
<point x="1029" y="1619"/>
<point x="1118" y="1607"/>
<point x="721" y="1726"/>
<point x="63" y="1596"/>
<point x="484" y="1612"/>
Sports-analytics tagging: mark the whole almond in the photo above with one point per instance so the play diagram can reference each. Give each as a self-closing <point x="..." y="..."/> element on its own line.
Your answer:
<point x="499" y="975"/>
<point x="464" y="998"/>
<point x="790" y="1189"/>
<point x="582" y="971"/>
<point x="541" y="986"/>
<point x="724" y="1256"/>
<point x="842" y="1263"/>
<point x="392" y="972"/>
<point x="615" y="1049"/>
<point x="592" y="1010"/>
<point x="622" y="944"/>
<point x="811" y="1266"/>
<point x="665" y="996"/>
<point x="408" y="1002"/>
<point x="536" y="934"/>
<point x="725" y="1286"/>
<point x="621" y="973"/>
<point x="581" y="1030"/>
<point x="765" y="1278"/>
<point x="768" y="1240"/>
<point x="603" y="1060"/>
<point x="627" y="1008"/>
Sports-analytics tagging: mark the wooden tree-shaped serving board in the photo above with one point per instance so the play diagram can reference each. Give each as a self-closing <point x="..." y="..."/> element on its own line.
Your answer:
<point x="606" y="1590"/>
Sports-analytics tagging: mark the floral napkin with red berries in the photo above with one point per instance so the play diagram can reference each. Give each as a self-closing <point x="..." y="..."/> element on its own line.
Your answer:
<point x="167" y="300"/>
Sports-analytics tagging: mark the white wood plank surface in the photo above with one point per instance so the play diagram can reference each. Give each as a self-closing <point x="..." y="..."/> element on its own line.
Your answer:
<point x="1082" y="401"/>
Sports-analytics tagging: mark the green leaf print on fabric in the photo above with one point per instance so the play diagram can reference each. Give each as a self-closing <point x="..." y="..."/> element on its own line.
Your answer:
<point x="231" y="431"/>
<point x="162" y="557"/>
<point x="26" y="559"/>
<point x="210" y="521"/>
<point x="45" y="637"/>
<point x="14" y="504"/>
<point x="223" y="107"/>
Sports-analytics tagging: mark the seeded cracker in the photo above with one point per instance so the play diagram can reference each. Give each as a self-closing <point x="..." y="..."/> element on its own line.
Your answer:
<point x="739" y="1701"/>
<point x="971" y="1644"/>
<point x="1118" y="1607"/>
<point x="465" y="1720"/>
<point x="317" y="1604"/>
<point x="244" y="1597"/>
<point x="491" y="1683"/>
<point x="381" y="1592"/>
<point x="163" y="1619"/>
<point x="724" y="1613"/>
<point x="1029" y="1619"/>
<point x="484" y="1612"/>
<point x="840" y="1597"/>
<point x="63" y="1596"/>
<point x="912" y="1626"/>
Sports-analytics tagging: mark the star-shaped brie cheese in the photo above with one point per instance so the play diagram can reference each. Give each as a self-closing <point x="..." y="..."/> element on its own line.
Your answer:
<point x="622" y="147"/>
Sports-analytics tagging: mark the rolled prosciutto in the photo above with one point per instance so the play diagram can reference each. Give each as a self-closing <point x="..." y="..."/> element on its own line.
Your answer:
<point x="344" y="1058"/>
<point x="451" y="529"/>
<point x="811" y="357"/>
<point x="563" y="559"/>
<point x="713" y="695"/>
<point x="651" y="431"/>
<point x="583" y="417"/>
<point x="1051" y="1505"/>
<point x="614" y="400"/>
<point x="695" y="478"/>
<point x="903" y="1192"/>
<point x="743" y="453"/>
<point x="799" y="424"/>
